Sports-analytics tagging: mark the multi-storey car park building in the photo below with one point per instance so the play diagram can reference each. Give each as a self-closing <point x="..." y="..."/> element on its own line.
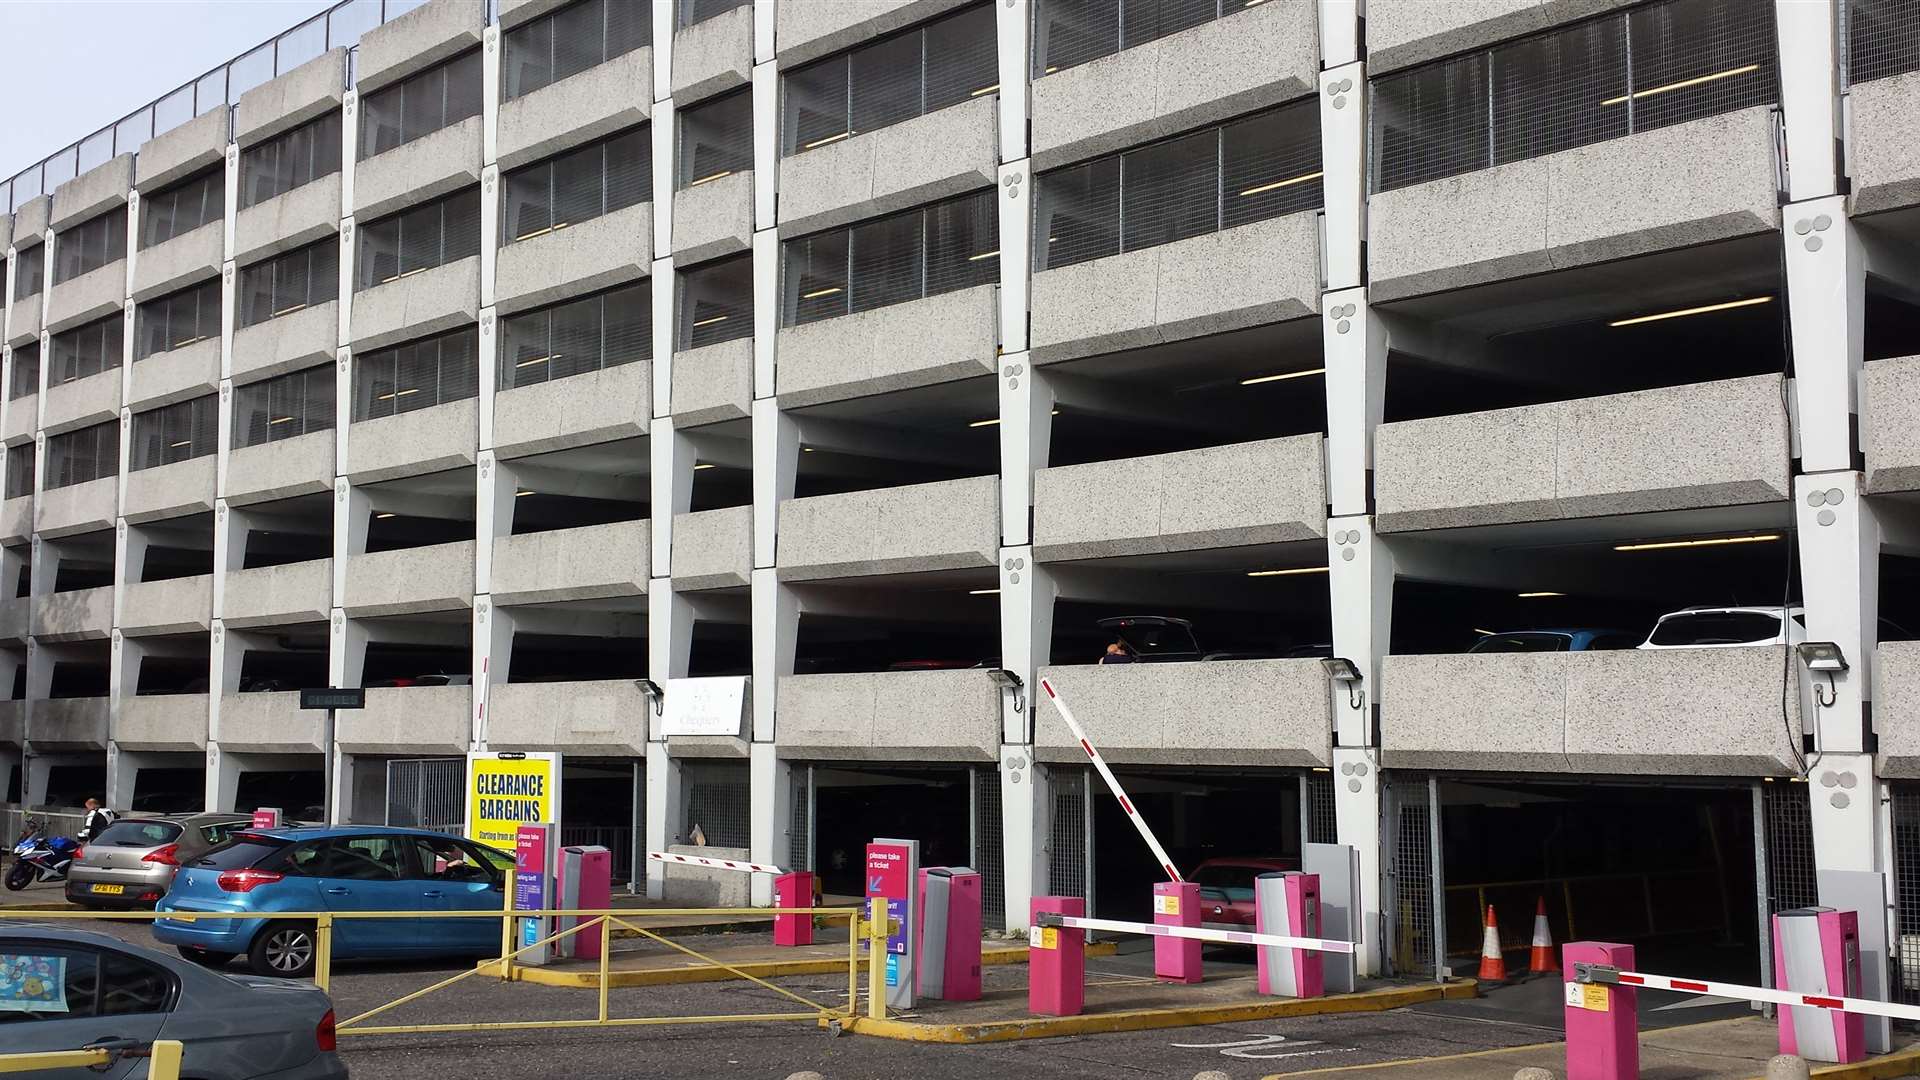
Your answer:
<point x="500" y="361"/>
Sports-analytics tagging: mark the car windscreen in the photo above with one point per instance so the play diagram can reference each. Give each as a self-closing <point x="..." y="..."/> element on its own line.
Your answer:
<point x="1522" y="642"/>
<point x="241" y="853"/>
<point x="1717" y="628"/>
<point x="138" y="834"/>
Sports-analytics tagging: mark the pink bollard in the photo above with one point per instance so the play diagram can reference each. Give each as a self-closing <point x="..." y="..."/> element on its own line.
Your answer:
<point x="1287" y="904"/>
<point x="1176" y="903"/>
<point x="1817" y="951"/>
<point x="1056" y="959"/>
<point x="794" y="890"/>
<point x="1603" y="1022"/>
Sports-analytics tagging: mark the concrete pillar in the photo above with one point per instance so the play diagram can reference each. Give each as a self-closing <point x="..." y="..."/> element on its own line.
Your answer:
<point x="771" y="813"/>
<point x="1826" y="293"/>
<point x="1809" y="53"/>
<point x="1360" y="575"/>
<point x="1027" y="594"/>
<point x="665" y="809"/>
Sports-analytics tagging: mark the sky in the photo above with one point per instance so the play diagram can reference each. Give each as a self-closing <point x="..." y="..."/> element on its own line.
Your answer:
<point x="87" y="63"/>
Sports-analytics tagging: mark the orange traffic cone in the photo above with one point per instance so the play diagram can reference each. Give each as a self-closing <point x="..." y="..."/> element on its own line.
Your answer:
<point x="1493" y="966"/>
<point x="1543" y="960"/>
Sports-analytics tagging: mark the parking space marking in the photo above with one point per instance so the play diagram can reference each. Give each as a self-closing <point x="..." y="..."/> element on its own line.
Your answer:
<point x="1267" y="1048"/>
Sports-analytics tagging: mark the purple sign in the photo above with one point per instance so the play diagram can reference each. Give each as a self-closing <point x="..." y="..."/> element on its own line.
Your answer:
<point x="530" y="868"/>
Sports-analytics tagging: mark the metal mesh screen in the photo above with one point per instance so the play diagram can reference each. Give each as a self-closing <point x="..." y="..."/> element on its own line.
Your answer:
<point x="1655" y="65"/>
<point x="417" y="375"/>
<point x="989" y="847"/>
<point x="577" y="186"/>
<point x="177" y="432"/>
<point x="1069" y="870"/>
<point x="24" y="378"/>
<point x="19" y="470"/>
<point x="800" y="819"/>
<point x="1883" y="38"/>
<point x="945" y="62"/>
<point x="288" y="283"/>
<point x="177" y="320"/>
<point x="419" y="239"/>
<point x="939" y="248"/>
<point x="30" y="270"/>
<point x="91" y="245"/>
<point x="719" y="801"/>
<point x="427" y="793"/>
<point x="1790" y="874"/>
<point x="299" y="157"/>
<point x="420" y="105"/>
<point x="1321" y="825"/>
<point x="1906" y="882"/>
<point x="86" y="350"/>
<point x="716" y="139"/>
<point x="1413" y="927"/>
<point x="580" y="336"/>
<point x="182" y="208"/>
<point x="285" y="407"/>
<point x="545" y="50"/>
<point x="77" y="457"/>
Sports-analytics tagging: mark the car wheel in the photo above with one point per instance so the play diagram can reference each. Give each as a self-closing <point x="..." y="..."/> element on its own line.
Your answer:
<point x="283" y="949"/>
<point x="205" y="957"/>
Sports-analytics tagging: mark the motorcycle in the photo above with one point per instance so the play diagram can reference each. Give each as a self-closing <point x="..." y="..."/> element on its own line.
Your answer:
<point x="40" y="857"/>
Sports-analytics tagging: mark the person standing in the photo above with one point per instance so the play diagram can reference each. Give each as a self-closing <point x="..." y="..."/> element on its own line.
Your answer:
<point x="96" y="822"/>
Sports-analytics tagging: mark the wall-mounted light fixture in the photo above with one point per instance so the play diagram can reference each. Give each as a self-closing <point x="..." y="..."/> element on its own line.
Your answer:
<point x="1342" y="670"/>
<point x="1007" y="680"/>
<point x="1824" y="657"/>
<point x="654" y="694"/>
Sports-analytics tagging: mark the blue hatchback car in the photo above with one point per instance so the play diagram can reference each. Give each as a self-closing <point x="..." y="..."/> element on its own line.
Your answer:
<point x="338" y="869"/>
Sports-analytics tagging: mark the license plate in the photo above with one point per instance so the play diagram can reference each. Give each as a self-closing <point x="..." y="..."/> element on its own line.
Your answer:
<point x="109" y="890"/>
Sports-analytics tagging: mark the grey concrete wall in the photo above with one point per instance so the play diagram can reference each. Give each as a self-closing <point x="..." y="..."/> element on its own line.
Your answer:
<point x="1664" y="711"/>
<point x="438" y="577"/>
<point x="1248" y="60"/>
<point x="713" y="383"/>
<point x="1705" y="180"/>
<point x="598" y="406"/>
<point x="23" y="416"/>
<point x="1587" y="457"/>
<point x="99" y="188"/>
<point x="603" y="717"/>
<point x="173" y="490"/>
<point x="941" y="154"/>
<point x="579" y="109"/>
<point x="274" y="723"/>
<point x="281" y="469"/>
<point x="68" y="724"/>
<point x="176" y="606"/>
<point x="284" y="103"/>
<point x="293" y="341"/>
<point x="939" y="339"/>
<point x="176" y="375"/>
<point x="807" y="31"/>
<point x="1890" y="424"/>
<point x="1265" y="272"/>
<point x="425" y="303"/>
<point x="6" y="231"/>
<point x="289" y="220"/>
<point x="13" y="723"/>
<point x="408" y="720"/>
<point x="30" y="219"/>
<point x="82" y="402"/>
<point x="1402" y="33"/>
<point x="418" y="171"/>
<point x="1883" y="154"/>
<point x="25" y="324"/>
<point x="1264" y="492"/>
<point x="713" y="55"/>
<point x="421" y="38"/>
<point x="940" y="526"/>
<point x="695" y="886"/>
<point x="75" y="615"/>
<point x="581" y="258"/>
<point x="198" y="144"/>
<point x="298" y="466"/>
<point x="179" y="262"/>
<point x="13" y="622"/>
<point x="16" y="518"/>
<point x="511" y="13"/>
<point x="77" y="508"/>
<point x="429" y="440"/>
<point x="584" y="563"/>
<point x="713" y="219"/>
<point x="299" y="592"/>
<point x="1227" y="712"/>
<point x="93" y="295"/>
<point x="890" y="716"/>
<point x="713" y="549"/>
<point x="1896" y="708"/>
<point x="163" y="722"/>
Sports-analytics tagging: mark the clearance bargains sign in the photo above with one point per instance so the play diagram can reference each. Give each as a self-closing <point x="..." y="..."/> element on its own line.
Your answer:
<point x="508" y="790"/>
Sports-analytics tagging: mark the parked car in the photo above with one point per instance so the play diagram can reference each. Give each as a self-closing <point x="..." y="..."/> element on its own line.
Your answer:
<point x="66" y="989"/>
<point x="1556" y="640"/>
<point x="1728" y="627"/>
<point x="131" y="863"/>
<point x="1226" y="888"/>
<point x="337" y="869"/>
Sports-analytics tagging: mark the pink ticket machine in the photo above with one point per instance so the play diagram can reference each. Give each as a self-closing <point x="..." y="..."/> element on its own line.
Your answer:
<point x="1817" y="951"/>
<point x="1287" y="904"/>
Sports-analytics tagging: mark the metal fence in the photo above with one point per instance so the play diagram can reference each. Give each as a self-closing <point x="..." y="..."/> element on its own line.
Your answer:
<point x="617" y="839"/>
<point x="1415" y="943"/>
<point x="719" y="799"/>
<point x="1906" y="889"/>
<point x="427" y="793"/>
<point x="800" y="828"/>
<point x="1883" y="38"/>
<point x="1070" y="858"/>
<point x="989" y="843"/>
<point x="1321" y="825"/>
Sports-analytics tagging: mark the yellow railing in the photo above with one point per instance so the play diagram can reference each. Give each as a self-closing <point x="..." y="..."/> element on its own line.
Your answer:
<point x="163" y="1060"/>
<point x="872" y="927"/>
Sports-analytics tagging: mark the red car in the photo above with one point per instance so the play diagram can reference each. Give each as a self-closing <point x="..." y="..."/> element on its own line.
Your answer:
<point x="1226" y="889"/>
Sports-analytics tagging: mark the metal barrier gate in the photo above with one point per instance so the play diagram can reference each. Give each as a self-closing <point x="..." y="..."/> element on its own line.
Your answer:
<point x="427" y="793"/>
<point x="1416" y="936"/>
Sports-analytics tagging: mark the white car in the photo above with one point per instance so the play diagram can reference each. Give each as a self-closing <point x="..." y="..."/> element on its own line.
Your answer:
<point x="1728" y="628"/>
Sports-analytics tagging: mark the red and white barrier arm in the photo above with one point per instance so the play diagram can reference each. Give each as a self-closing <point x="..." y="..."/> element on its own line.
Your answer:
<point x="713" y="864"/>
<point x="1196" y="933"/>
<point x="1596" y="973"/>
<point x="1120" y="793"/>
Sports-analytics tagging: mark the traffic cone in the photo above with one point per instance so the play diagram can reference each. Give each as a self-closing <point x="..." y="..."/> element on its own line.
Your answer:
<point x="1543" y="961"/>
<point x="1493" y="966"/>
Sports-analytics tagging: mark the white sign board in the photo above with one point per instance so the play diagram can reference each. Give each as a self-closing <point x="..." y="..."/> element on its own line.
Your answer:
<point x="712" y="706"/>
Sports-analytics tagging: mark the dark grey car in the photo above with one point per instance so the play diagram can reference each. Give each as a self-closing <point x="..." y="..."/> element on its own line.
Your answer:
<point x="63" y="989"/>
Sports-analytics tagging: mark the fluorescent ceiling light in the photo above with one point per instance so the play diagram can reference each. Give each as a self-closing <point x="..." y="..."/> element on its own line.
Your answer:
<point x="535" y="360"/>
<point x="1283" y="375"/>
<point x="383" y="516"/>
<point x="818" y="293"/>
<point x="985" y="90"/>
<point x="996" y="420"/>
<point x="522" y="493"/>
<point x="983" y="592"/>
<point x="1714" y="541"/>
<point x="710" y="322"/>
<point x="1702" y="310"/>
<point x="1534" y="595"/>
<point x="181" y="443"/>
<point x="702" y="465"/>
<point x="1286" y="573"/>
<point x="281" y="420"/>
<point x="1483" y="633"/>
<point x="1278" y="184"/>
<point x="1683" y="84"/>
<point x="825" y="141"/>
<point x="710" y="179"/>
<point x="806" y="449"/>
<point x="994" y="254"/>
<point x="399" y="393"/>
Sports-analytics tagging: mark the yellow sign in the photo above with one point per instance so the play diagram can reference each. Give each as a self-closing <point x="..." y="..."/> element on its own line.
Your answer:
<point x="1167" y="904"/>
<point x="504" y="793"/>
<point x="1589" y="996"/>
<point x="1043" y="937"/>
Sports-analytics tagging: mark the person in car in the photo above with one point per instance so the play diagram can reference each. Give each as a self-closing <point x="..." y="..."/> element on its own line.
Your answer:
<point x="1117" y="654"/>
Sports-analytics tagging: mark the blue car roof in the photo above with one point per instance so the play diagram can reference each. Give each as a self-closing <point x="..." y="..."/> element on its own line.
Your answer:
<point x="322" y="832"/>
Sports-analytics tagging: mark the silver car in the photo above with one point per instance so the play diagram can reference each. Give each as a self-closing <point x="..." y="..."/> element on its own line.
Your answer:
<point x="132" y="862"/>
<point x="64" y="989"/>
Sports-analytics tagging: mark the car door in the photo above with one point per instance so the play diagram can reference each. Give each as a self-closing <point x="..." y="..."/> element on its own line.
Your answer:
<point x="61" y="996"/>
<point x="370" y="873"/>
<point x="457" y="876"/>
